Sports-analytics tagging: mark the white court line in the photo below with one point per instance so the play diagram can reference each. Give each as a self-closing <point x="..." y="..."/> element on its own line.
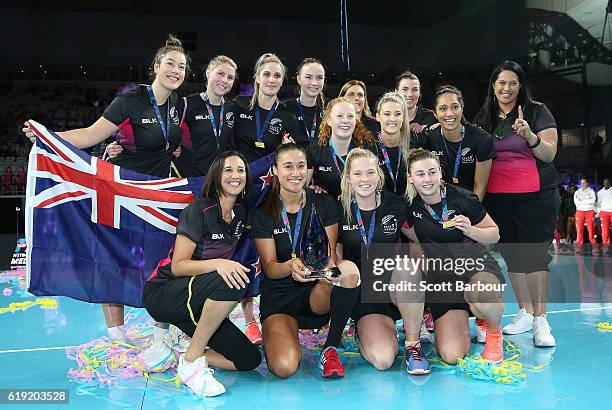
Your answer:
<point x="38" y="349"/>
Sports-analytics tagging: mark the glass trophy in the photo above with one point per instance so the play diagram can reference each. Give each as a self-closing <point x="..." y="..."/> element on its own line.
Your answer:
<point x="314" y="247"/>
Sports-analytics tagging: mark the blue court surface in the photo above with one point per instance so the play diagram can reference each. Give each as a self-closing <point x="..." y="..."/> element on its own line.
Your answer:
<point x="576" y="374"/>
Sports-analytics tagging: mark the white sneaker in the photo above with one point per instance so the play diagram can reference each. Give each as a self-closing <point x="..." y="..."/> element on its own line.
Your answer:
<point x="541" y="332"/>
<point x="179" y="340"/>
<point x="522" y="322"/>
<point x="199" y="377"/>
<point x="424" y="335"/>
<point x="481" y="330"/>
<point x="158" y="357"/>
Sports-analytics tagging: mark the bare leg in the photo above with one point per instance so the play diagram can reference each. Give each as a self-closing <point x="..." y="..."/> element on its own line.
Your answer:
<point x="213" y="313"/>
<point x="113" y="314"/>
<point x="453" y="336"/>
<point x="281" y="344"/>
<point x="247" y="309"/>
<point x="378" y="340"/>
<point x="521" y="290"/>
<point x="486" y="305"/>
<point x="537" y="282"/>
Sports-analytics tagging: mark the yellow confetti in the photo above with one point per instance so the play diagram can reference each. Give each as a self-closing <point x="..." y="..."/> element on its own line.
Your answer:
<point x="604" y="326"/>
<point x="44" y="303"/>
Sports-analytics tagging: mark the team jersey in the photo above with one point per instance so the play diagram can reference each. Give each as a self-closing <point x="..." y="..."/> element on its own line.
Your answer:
<point x="424" y="117"/>
<point x="390" y="215"/>
<point x="371" y="124"/>
<point x="476" y="146"/>
<point x="200" y="142"/>
<point x="394" y="168"/>
<point x="266" y="226"/>
<point x="281" y="123"/>
<point x="140" y="134"/>
<point x="202" y="223"/>
<point x="309" y="120"/>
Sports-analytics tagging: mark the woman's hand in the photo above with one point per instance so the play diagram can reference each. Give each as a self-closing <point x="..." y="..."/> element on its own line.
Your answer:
<point x="177" y="152"/>
<point x="113" y="149"/>
<point x="287" y="138"/>
<point x="299" y="271"/>
<point x="463" y="223"/>
<point x="522" y="127"/>
<point x="233" y="273"/>
<point x="317" y="189"/>
<point x="29" y="132"/>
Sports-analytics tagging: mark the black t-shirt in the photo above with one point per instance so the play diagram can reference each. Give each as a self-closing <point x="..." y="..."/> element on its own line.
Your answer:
<point x="265" y="226"/>
<point x="390" y="216"/>
<point x="140" y="135"/>
<point x="199" y="144"/>
<point x="304" y="123"/>
<point x="326" y="173"/>
<point x="399" y="187"/>
<point x="202" y="223"/>
<point x="424" y="117"/>
<point x="476" y="145"/>
<point x="371" y="124"/>
<point x="245" y="131"/>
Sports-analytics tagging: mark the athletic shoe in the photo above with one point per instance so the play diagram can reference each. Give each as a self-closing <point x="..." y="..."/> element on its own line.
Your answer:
<point x="481" y="330"/>
<point x="199" y="377"/>
<point x="424" y="336"/>
<point x="253" y="333"/>
<point x="179" y="340"/>
<point x="429" y="322"/>
<point x="330" y="363"/>
<point x="158" y="357"/>
<point x="541" y="332"/>
<point x="494" y="347"/>
<point x="416" y="361"/>
<point x="522" y="322"/>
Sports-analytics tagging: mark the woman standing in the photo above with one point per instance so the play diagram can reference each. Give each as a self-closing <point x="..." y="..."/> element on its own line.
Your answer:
<point x="522" y="195"/>
<point x="340" y="131"/>
<point x="290" y="298"/>
<point x="356" y="92"/>
<point x="309" y="106"/>
<point x="146" y="123"/>
<point x="466" y="152"/>
<point x="409" y="86"/>
<point x="198" y="285"/>
<point x="266" y="123"/>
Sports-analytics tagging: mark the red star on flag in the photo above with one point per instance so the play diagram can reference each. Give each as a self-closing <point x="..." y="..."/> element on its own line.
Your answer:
<point x="257" y="266"/>
<point x="267" y="179"/>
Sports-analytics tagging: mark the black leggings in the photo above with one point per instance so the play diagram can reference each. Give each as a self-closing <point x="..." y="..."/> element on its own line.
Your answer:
<point x="167" y="303"/>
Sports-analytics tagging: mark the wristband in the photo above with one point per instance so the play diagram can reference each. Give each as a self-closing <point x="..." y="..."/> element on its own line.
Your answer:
<point x="538" y="141"/>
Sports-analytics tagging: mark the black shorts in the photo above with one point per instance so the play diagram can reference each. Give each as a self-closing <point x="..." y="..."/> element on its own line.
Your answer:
<point x="295" y="303"/>
<point x="364" y="309"/>
<point x="526" y="227"/>
<point x="167" y="302"/>
<point x="439" y="309"/>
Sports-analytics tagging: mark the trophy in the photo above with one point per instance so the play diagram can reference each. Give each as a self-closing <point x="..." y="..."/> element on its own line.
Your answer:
<point x="314" y="248"/>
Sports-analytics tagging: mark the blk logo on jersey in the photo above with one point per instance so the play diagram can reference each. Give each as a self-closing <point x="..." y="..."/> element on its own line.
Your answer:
<point x="280" y="231"/>
<point x="437" y="153"/>
<point x="389" y="224"/>
<point x="246" y="117"/>
<point x="325" y="169"/>
<point x="202" y="117"/>
<point x="417" y="215"/>
<point x="217" y="236"/>
<point x="350" y="227"/>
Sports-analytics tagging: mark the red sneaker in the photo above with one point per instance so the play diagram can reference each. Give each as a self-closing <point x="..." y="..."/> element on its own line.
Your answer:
<point x="428" y="317"/>
<point x="494" y="347"/>
<point x="253" y="333"/>
<point x="330" y="363"/>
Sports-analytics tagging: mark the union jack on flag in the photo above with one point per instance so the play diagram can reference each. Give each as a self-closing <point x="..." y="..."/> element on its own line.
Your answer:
<point x="95" y="231"/>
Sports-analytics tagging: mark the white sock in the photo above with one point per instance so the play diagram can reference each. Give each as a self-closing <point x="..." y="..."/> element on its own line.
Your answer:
<point x="116" y="332"/>
<point x="410" y="343"/>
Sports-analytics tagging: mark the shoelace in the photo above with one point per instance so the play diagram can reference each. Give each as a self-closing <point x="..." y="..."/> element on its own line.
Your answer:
<point x="414" y="351"/>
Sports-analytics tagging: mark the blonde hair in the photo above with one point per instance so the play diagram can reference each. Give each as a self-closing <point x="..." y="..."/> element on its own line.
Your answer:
<point x="366" y="107"/>
<point x="415" y="155"/>
<point x="218" y="60"/>
<point x="261" y="61"/>
<point x="361" y="135"/>
<point x="347" y="193"/>
<point x="396" y="97"/>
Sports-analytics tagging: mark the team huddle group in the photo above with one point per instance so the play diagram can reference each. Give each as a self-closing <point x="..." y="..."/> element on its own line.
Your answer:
<point x="404" y="174"/>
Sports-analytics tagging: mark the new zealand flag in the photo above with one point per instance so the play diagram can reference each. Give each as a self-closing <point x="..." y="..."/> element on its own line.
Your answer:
<point x="96" y="231"/>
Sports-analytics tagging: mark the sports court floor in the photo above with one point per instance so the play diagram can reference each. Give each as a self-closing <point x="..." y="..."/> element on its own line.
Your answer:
<point x="576" y="374"/>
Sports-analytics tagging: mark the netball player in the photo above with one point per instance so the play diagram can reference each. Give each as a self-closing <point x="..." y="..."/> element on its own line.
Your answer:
<point x="266" y="123"/>
<point x="373" y="215"/>
<point x="442" y="215"/>
<point x="341" y="130"/>
<point x="522" y="195"/>
<point x="356" y="92"/>
<point x="409" y="86"/>
<point x="309" y="106"/>
<point x="198" y="285"/>
<point x="290" y="299"/>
